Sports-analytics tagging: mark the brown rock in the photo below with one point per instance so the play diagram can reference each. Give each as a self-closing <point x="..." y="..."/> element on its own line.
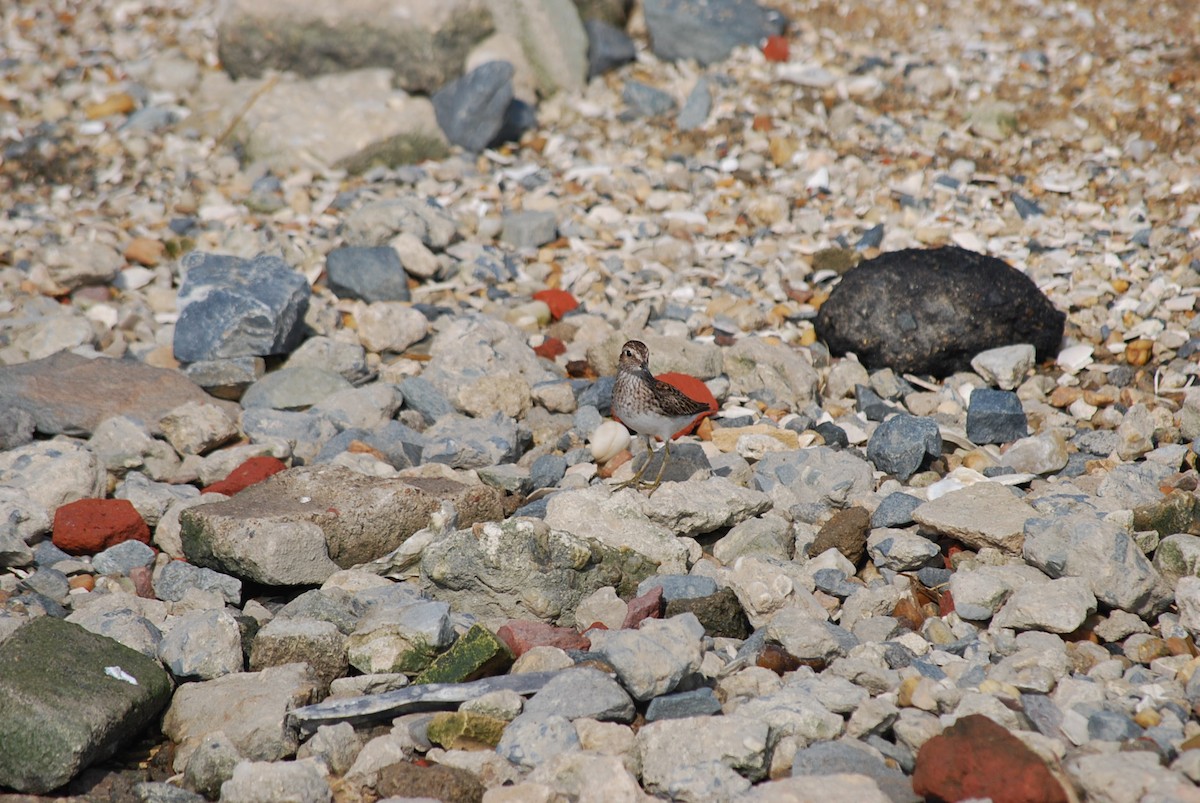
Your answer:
<point x="846" y="532"/>
<point x="88" y="526"/>
<point x="520" y="636"/>
<point x="437" y="781"/>
<point x="977" y="758"/>
<point x="70" y="395"/>
<point x="647" y="606"/>
<point x="256" y="469"/>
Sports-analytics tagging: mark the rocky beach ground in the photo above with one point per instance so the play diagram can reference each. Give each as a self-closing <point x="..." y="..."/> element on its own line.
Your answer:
<point x="306" y="357"/>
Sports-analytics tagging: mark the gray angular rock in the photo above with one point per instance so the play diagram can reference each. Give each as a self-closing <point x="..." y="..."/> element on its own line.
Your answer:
<point x="287" y="640"/>
<point x="679" y="586"/>
<point x="582" y="692"/>
<point x="696" y="107"/>
<point x="231" y="307"/>
<point x="707" y="30"/>
<point x="49" y="474"/>
<point x="211" y="765"/>
<point x="462" y="442"/>
<point x="900" y="444"/>
<point x="370" y="273"/>
<point x="471" y="109"/>
<point x="530" y="741"/>
<point x="70" y="698"/>
<point x="853" y="758"/>
<point x="271" y="781"/>
<point x="589" y="513"/>
<point x="698" y="703"/>
<point x="123" y="558"/>
<point x="202" y="645"/>
<point x="151" y="499"/>
<point x="1059" y="606"/>
<point x="985" y="514"/>
<point x="646" y="101"/>
<point x="377" y="222"/>
<point x="529" y="229"/>
<point x="347" y="359"/>
<point x="251" y="708"/>
<point x="653" y="659"/>
<point x="402" y="639"/>
<point x="175" y="578"/>
<point x="900" y="550"/>
<point x="293" y="388"/>
<point x="1102" y="553"/>
<point x="820" y="477"/>
<point x="736" y="742"/>
<point x="774" y="374"/>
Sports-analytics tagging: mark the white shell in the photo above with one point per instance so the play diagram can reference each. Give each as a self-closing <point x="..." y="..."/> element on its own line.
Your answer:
<point x="1074" y="359"/>
<point x="607" y="441"/>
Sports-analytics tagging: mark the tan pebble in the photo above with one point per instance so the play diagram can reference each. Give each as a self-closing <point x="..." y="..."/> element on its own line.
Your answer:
<point x="619" y="459"/>
<point x="978" y="460"/>
<point x="120" y="103"/>
<point x="1064" y="396"/>
<point x="1147" y="718"/>
<point x="145" y="251"/>
<point x="84" y="581"/>
<point x="1138" y="352"/>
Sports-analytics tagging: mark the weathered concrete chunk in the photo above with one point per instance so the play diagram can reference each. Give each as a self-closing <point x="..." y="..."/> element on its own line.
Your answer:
<point x="980" y="515"/>
<point x="301" y="525"/>
<point x="70" y="698"/>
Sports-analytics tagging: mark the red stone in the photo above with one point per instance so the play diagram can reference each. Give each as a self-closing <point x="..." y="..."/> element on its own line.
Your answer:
<point x="560" y="302"/>
<point x="945" y="603"/>
<point x="551" y="347"/>
<point x="647" y="606"/>
<point x="520" y="636"/>
<point x="256" y="469"/>
<point x="977" y="758"/>
<point x="89" y="526"/>
<point x="143" y="585"/>
<point x="776" y="48"/>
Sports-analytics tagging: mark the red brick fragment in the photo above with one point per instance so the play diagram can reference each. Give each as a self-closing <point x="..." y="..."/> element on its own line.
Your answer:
<point x="977" y="758"/>
<point x="776" y="48"/>
<point x="88" y="526"/>
<point x="560" y="302"/>
<point x="551" y="347"/>
<point x="256" y="469"/>
<point x="647" y="606"/>
<point x="520" y="636"/>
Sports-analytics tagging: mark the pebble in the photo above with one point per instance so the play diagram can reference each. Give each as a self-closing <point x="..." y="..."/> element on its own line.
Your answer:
<point x="441" y="327"/>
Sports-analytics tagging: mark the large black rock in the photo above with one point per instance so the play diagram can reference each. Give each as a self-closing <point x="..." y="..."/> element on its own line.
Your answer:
<point x="930" y="311"/>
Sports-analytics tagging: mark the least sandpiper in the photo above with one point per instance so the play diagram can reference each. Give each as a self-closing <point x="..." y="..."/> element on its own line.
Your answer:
<point x="649" y="406"/>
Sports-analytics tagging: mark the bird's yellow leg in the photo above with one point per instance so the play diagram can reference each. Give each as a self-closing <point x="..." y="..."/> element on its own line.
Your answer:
<point x="662" y="468"/>
<point x="636" y="479"/>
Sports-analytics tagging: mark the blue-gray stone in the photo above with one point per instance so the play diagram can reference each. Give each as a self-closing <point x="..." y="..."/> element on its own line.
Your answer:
<point x="871" y="238"/>
<point x="1025" y="207"/>
<point x="932" y="576"/>
<point x="576" y="456"/>
<point x="308" y="431"/>
<point x="995" y="416"/>
<point x="696" y="108"/>
<point x="1043" y="713"/>
<point x="533" y="740"/>
<point x="462" y="442"/>
<point x="175" y="578"/>
<point x="46" y="554"/>
<point x="900" y="445"/>
<point x="928" y="668"/>
<point x="231" y="307"/>
<point x="547" y="470"/>
<point x="833" y="435"/>
<point x="529" y="229"/>
<point x="586" y="419"/>
<point x="699" y="703"/>
<point x="519" y="117"/>
<point x="534" y="510"/>
<point x="50" y="583"/>
<point x="833" y="581"/>
<point x="846" y="756"/>
<point x="646" y="101"/>
<point x="471" y="109"/>
<point x="484" y="263"/>
<point x="400" y="445"/>
<point x="598" y="394"/>
<point x="420" y="395"/>
<point x="686" y="460"/>
<point x="332" y="605"/>
<point x="294" y="388"/>
<point x="895" y="510"/>
<point x="707" y="30"/>
<point x="394" y="597"/>
<point x="1112" y="726"/>
<point x="608" y="47"/>
<point x="123" y="558"/>
<point x="871" y="404"/>
<point x="163" y="792"/>
<point x="366" y="273"/>
<point x="679" y="586"/>
<point x="36" y="605"/>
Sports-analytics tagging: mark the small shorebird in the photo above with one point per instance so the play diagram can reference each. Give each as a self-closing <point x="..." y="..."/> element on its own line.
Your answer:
<point x="649" y="406"/>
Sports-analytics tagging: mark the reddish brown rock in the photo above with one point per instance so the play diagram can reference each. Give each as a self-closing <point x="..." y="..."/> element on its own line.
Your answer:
<point x="520" y="636"/>
<point x="647" y="606"/>
<point x="977" y="758"/>
<point x="88" y="526"/>
<point x="142" y="577"/>
<point x="435" y="781"/>
<point x="846" y="531"/>
<point x="256" y="469"/>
